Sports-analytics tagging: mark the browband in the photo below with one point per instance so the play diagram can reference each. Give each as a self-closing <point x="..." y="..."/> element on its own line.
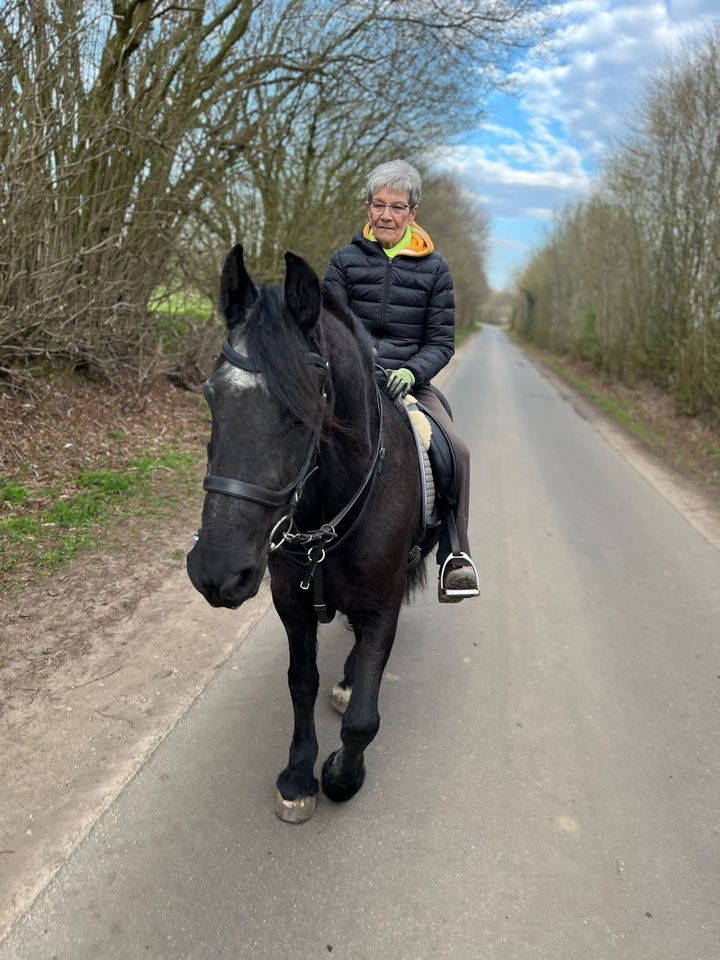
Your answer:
<point x="238" y="360"/>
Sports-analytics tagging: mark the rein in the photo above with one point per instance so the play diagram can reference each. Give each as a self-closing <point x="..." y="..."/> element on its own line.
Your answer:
<point x="312" y="544"/>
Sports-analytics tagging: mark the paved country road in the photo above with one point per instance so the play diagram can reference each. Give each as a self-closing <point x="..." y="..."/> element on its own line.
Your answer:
<point x="544" y="785"/>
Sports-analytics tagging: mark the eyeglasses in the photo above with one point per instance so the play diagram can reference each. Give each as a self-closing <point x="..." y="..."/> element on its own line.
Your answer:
<point x="397" y="209"/>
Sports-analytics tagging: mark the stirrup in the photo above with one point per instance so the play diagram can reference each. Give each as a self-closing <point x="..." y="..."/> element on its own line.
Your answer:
<point x="454" y="595"/>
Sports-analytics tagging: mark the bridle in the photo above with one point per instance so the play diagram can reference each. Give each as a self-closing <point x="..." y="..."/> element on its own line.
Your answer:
<point x="250" y="491"/>
<point x="311" y="545"/>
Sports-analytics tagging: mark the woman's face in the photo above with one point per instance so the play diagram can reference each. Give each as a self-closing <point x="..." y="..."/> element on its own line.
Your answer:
<point x="388" y="224"/>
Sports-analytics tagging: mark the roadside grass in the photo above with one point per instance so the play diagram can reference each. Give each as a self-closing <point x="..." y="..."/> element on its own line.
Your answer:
<point x="43" y="528"/>
<point x="462" y="334"/>
<point x="609" y="404"/>
<point x="691" y="446"/>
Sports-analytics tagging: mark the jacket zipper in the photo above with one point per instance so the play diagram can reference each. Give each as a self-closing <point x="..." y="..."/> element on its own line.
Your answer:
<point x="385" y="295"/>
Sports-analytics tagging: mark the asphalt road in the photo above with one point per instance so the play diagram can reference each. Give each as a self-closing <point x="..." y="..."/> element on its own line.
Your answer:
<point x="544" y="785"/>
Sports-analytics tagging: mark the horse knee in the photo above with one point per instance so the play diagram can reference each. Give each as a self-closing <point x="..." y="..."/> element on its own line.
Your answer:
<point x="359" y="729"/>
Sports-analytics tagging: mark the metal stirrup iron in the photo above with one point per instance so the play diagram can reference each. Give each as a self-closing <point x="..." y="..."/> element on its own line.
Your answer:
<point x="466" y="561"/>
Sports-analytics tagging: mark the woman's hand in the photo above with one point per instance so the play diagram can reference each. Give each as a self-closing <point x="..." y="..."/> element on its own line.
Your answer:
<point x="399" y="383"/>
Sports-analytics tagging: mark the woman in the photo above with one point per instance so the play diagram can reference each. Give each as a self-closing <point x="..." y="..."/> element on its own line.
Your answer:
<point x="391" y="277"/>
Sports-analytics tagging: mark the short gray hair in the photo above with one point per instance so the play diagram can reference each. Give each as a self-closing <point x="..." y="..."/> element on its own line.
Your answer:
<point x="398" y="174"/>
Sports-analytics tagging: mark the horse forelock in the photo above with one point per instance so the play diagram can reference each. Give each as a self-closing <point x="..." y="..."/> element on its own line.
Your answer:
<point x="278" y="348"/>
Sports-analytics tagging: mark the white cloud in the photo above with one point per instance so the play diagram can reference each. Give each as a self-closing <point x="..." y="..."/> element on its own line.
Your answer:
<point x="501" y="131"/>
<point x="604" y="57"/>
<point x="506" y="244"/>
<point x="522" y="179"/>
<point x="574" y="106"/>
<point x="540" y="213"/>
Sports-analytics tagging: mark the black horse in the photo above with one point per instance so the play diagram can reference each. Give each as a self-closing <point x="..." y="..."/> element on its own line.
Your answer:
<point x="312" y="472"/>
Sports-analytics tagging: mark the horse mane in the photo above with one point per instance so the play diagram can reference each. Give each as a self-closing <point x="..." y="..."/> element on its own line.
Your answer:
<point x="342" y="313"/>
<point x="416" y="575"/>
<point x="278" y="348"/>
<point x="336" y="307"/>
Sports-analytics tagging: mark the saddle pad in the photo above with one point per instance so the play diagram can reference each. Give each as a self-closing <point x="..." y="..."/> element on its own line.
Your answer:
<point x="422" y="432"/>
<point x="421" y="423"/>
<point x="429" y="487"/>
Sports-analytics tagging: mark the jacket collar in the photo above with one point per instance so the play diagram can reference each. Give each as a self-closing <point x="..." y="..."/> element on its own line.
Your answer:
<point x="420" y="245"/>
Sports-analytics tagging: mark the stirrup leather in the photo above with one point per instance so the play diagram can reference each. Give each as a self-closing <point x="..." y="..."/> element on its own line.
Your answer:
<point x="458" y="593"/>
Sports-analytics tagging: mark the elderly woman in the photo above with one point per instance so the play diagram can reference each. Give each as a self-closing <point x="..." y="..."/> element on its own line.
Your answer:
<point x="391" y="277"/>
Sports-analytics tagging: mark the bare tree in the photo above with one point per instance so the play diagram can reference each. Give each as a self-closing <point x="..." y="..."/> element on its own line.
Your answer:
<point x="459" y="230"/>
<point x="631" y="279"/>
<point x="132" y="136"/>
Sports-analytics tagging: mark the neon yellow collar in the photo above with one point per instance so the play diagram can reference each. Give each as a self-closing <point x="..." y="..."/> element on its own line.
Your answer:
<point x="393" y="251"/>
<point x="419" y="245"/>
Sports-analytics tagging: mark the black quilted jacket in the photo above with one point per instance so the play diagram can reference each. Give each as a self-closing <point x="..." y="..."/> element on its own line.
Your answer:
<point x="406" y="304"/>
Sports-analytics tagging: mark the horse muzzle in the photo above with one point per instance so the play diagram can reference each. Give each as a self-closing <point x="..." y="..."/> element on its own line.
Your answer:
<point x="224" y="584"/>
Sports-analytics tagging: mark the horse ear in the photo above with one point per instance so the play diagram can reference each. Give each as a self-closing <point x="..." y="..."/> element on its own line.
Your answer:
<point x="237" y="291"/>
<point x="302" y="291"/>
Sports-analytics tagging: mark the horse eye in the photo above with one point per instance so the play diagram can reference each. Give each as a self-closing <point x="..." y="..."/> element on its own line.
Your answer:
<point x="293" y="426"/>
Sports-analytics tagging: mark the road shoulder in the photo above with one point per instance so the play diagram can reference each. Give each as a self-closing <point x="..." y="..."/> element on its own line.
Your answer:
<point x="685" y="493"/>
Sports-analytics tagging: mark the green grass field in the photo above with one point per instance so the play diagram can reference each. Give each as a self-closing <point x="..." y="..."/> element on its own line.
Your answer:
<point x="43" y="528"/>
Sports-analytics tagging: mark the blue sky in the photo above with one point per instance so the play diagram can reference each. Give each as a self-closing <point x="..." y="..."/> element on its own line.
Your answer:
<point x="540" y="148"/>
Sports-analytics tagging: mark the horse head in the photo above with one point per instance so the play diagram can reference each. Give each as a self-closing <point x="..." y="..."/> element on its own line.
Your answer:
<point x="265" y="396"/>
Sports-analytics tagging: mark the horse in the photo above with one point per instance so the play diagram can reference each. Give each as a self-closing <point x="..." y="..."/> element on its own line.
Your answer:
<point x="312" y="474"/>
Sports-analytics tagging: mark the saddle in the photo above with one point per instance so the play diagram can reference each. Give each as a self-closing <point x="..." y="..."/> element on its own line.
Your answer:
<point x="436" y="462"/>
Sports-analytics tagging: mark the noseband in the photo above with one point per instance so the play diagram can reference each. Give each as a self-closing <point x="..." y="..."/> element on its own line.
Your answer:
<point x="249" y="491"/>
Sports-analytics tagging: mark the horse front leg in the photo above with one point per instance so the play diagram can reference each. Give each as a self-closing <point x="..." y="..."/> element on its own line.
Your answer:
<point x="343" y="772"/>
<point x="297" y="786"/>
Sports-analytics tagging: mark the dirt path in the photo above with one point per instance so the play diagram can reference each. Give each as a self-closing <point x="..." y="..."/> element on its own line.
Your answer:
<point x="99" y="661"/>
<point x="104" y="657"/>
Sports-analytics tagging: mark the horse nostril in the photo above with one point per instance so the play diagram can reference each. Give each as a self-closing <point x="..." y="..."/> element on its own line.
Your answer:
<point x="235" y="583"/>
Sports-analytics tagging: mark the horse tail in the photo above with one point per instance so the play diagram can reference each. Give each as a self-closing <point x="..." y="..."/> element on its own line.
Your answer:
<point x="416" y="579"/>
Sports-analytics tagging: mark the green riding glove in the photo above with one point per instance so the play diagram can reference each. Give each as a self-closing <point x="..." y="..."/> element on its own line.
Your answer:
<point x="399" y="382"/>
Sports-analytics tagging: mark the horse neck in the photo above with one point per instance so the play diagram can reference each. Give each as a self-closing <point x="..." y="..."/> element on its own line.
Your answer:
<point x="347" y="450"/>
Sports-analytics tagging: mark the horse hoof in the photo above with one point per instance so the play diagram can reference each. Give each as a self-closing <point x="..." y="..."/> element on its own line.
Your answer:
<point x="335" y="790"/>
<point x="294" y="811"/>
<point x="340" y="697"/>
